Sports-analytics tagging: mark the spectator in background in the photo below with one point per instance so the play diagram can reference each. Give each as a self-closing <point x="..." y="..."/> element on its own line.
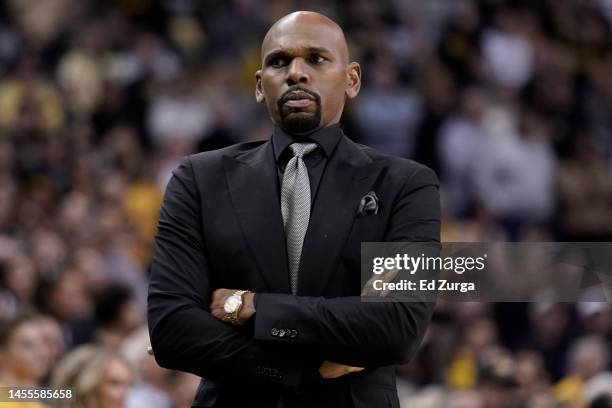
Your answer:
<point x="28" y="101"/>
<point x="585" y="193"/>
<point x="550" y="333"/>
<point x="155" y="386"/>
<point x="8" y="305"/>
<point x="465" y="399"/>
<point x="479" y="338"/>
<point x="435" y="83"/>
<point x="459" y="47"/>
<point x="8" y="188"/>
<point x="25" y="358"/>
<point x="19" y="277"/>
<point x="598" y="102"/>
<point x="530" y="375"/>
<point x="151" y="386"/>
<point x="385" y="99"/>
<point x="179" y="113"/>
<point x="116" y="313"/>
<point x="68" y="369"/>
<point x="66" y="297"/>
<point x="587" y="357"/>
<point x="597" y="392"/>
<point x="514" y="169"/>
<point x="458" y="141"/>
<point x="183" y="387"/>
<point x="53" y="338"/>
<point x="507" y="53"/>
<point x="596" y="317"/>
<point x="81" y="71"/>
<point x="101" y="377"/>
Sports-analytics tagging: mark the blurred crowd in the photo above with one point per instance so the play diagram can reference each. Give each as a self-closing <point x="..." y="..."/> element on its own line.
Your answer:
<point x="509" y="101"/>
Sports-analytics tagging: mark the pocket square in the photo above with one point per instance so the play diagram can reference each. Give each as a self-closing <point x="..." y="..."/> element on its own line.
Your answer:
<point x="368" y="204"/>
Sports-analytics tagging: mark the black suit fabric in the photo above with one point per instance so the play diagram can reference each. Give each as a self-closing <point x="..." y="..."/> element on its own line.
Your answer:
<point x="220" y="226"/>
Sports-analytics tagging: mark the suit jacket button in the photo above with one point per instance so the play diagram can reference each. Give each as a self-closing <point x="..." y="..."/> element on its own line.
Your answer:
<point x="281" y="333"/>
<point x="293" y="333"/>
<point x="274" y="332"/>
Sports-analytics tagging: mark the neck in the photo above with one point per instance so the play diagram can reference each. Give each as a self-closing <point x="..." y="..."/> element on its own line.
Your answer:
<point x="306" y="134"/>
<point x="299" y="135"/>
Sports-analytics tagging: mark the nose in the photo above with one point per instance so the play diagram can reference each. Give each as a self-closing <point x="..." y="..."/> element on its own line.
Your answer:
<point x="297" y="72"/>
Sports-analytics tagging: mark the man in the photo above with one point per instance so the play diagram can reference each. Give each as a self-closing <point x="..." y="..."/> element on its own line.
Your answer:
<point x="255" y="279"/>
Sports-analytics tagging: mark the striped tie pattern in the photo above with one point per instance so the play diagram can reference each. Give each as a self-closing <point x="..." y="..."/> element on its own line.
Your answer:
<point x="295" y="206"/>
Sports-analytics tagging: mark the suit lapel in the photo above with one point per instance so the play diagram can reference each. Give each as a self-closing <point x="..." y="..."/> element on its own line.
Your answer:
<point x="252" y="179"/>
<point x="349" y="175"/>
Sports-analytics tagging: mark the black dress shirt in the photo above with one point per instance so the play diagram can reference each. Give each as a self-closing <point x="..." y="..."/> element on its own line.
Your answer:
<point x="327" y="138"/>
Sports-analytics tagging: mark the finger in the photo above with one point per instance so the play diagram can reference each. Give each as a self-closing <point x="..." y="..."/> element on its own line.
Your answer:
<point x="329" y="370"/>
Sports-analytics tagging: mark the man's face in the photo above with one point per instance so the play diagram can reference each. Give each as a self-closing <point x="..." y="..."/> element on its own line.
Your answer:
<point x="305" y="75"/>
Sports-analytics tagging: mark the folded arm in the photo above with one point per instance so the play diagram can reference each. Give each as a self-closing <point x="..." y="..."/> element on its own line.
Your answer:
<point x="184" y="334"/>
<point x="352" y="331"/>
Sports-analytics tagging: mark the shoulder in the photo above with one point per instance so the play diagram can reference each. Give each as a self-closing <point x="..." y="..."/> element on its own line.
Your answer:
<point x="205" y="167"/>
<point x="210" y="163"/>
<point x="213" y="156"/>
<point x="399" y="168"/>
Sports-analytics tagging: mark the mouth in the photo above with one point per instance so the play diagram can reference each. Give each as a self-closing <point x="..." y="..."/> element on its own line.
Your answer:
<point x="297" y="99"/>
<point x="298" y="103"/>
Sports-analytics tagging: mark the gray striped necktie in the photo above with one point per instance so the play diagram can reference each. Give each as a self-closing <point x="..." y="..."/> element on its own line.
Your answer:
<point x="295" y="206"/>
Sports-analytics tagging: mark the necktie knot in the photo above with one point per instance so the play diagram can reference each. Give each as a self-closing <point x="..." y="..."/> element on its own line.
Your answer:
<point x="302" y="149"/>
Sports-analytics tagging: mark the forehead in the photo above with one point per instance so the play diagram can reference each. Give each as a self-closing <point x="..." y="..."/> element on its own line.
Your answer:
<point x="292" y="37"/>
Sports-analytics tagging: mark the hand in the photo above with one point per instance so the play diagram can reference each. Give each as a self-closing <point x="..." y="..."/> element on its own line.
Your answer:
<point x="330" y="370"/>
<point x="218" y="299"/>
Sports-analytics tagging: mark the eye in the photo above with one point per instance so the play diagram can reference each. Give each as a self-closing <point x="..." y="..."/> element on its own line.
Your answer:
<point x="316" y="59"/>
<point x="278" y="62"/>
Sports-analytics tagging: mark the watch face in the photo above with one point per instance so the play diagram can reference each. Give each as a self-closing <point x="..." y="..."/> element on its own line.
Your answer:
<point x="231" y="304"/>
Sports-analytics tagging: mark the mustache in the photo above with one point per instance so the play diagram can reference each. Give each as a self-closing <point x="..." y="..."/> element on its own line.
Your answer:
<point x="287" y="95"/>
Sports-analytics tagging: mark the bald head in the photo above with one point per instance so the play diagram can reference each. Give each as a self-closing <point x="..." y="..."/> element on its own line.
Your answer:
<point x="305" y="76"/>
<point x="301" y="25"/>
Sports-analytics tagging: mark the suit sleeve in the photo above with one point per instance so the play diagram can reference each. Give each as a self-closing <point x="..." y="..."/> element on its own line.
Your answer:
<point x="184" y="335"/>
<point x="352" y="331"/>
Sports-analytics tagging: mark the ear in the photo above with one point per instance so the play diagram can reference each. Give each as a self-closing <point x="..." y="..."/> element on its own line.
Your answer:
<point x="259" y="95"/>
<point x="353" y="80"/>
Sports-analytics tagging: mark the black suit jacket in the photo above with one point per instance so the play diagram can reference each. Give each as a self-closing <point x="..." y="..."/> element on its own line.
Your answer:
<point x="220" y="225"/>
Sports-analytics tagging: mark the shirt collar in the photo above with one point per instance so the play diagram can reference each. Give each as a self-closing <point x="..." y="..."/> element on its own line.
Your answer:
<point x="327" y="138"/>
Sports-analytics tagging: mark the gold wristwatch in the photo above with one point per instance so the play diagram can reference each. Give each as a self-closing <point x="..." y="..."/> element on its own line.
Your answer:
<point x="233" y="305"/>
